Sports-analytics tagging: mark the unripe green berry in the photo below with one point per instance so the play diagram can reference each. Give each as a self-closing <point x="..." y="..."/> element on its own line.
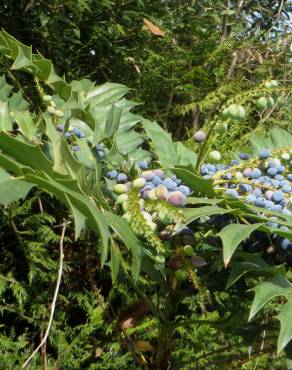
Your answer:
<point x="125" y="207"/>
<point x="51" y="110"/>
<point x="152" y="195"/>
<point x="262" y="103"/>
<point x="59" y="113"/>
<point x="274" y="83"/>
<point x="281" y="101"/>
<point x="152" y="225"/>
<point x="121" y="188"/>
<point x="232" y="111"/>
<point x="285" y="156"/>
<point x="160" y="259"/>
<point x="122" y="198"/>
<point x="215" y="156"/>
<point x="139" y="183"/>
<point x="240" y="112"/>
<point x="221" y="128"/>
<point x="271" y="102"/>
<point x="188" y="250"/>
<point x="181" y="275"/>
<point x="268" y="85"/>
<point x="225" y="113"/>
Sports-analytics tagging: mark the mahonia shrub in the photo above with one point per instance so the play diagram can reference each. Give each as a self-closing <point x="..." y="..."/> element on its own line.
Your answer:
<point x="142" y="234"/>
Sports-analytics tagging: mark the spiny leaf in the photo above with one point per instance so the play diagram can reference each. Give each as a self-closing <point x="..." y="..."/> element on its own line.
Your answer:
<point x="285" y="334"/>
<point x="271" y="288"/>
<point x="232" y="235"/>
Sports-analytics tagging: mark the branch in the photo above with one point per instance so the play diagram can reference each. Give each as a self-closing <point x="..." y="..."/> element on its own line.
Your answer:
<point x="53" y="306"/>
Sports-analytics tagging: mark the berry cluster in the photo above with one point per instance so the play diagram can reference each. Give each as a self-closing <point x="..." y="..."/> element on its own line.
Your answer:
<point x="265" y="182"/>
<point x="51" y="106"/>
<point x="152" y="184"/>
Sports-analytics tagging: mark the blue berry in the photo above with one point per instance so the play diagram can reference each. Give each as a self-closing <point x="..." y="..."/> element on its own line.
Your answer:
<point x="75" y="148"/>
<point x="143" y="165"/>
<point x="272" y="171"/>
<point x="169" y="184"/>
<point x="286" y="189"/>
<point x="122" y="178"/>
<point x="278" y="196"/>
<point x="231" y="193"/>
<point x="255" y="173"/>
<point x="77" y="132"/>
<point x="112" y="174"/>
<point x="264" y="154"/>
<point x="257" y="192"/>
<point x="245" y="188"/>
<point x="250" y="198"/>
<point x="184" y="189"/>
<point x="244" y="156"/>
<point x="156" y="180"/>
<point x="260" y="202"/>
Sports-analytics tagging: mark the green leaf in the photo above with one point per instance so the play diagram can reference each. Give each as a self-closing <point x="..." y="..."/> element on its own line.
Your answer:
<point x="255" y="264"/>
<point x="285" y="334"/>
<point x="115" y="260"/>
<point x="122" y="228"/>
<point x="79" y="220"/>
<point x="84" y="204"/>
<point x="12" y="188"/>
<point x="26" y="124"/>
<point x="26" y="154"/>
<point x="196" y="200"/>
<point x="197" y="183"/>
<point x="113" y="121"/>
<point x="192" y="214"/>
<point x="277" y="138"/>
<point x="271" y="288"/>
<point x="232" y="235"/>
<point x="5" y="118"/>
<point x="5" y="88"/>
<point x="167" y="151"/>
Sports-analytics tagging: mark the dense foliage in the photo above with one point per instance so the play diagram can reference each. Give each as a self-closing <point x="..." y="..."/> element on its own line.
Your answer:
<point x="121" y="248"/>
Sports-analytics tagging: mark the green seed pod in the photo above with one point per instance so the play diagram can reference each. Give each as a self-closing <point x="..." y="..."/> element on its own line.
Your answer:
<point x="139" y="183"/>
<point x="181" y="275"/>
<point x="188" y="250"/>
<point x="59" y="113"/>
<point x="221" y="128"/>
<point x="215" y="156"/>
<point x="271" y="102"/>
<point x="262" y="103"/>
<point x="121" y="189"/>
